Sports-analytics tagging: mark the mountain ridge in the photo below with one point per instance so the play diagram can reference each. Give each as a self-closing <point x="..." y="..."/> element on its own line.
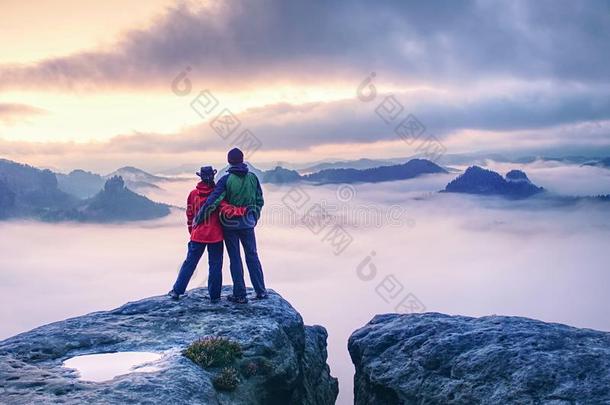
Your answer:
<point x="411" y="169"/>
<point x="476" y="180"/>
<point x="29" y="192"/>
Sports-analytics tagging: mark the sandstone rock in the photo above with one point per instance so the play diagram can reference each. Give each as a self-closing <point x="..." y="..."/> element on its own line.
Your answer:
<point x="31" y="368"/>
<point x="440" y="359"/>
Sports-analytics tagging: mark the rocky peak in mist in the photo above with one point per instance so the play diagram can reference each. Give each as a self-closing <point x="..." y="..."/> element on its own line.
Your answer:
<point x="84" y="184"/>
<point x="29" y="192"/>
<point x="517" y="175"/>
<point x="280" y="175"/>
<point x="476" y="180"/>
<point x="114" y="185"/>
<point x="137" y="179"/>
<point x="599" y="163"/>
<point x="133" y="174"/>
<point x="118" y="203"/>
<point x="80" y="183"/>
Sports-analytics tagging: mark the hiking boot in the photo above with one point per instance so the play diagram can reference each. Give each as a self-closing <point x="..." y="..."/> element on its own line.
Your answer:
<point x="212" y="300"/>
<point x="237" y="300"/>
<point x="173" y="295"/>
<point x="262" y="296"/>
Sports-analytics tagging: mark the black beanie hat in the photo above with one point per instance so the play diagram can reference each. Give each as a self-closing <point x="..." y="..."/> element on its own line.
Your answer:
<point x="235" y="156"/>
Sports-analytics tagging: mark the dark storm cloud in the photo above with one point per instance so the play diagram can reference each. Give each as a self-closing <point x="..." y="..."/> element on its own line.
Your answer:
<point x="240" y="42"/>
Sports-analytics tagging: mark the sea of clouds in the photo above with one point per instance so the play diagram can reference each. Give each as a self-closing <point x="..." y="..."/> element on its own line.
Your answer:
<point x="447" y="253"/>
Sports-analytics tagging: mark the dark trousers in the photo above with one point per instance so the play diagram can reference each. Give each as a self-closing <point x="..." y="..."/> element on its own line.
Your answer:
<point x="248" y="240"/>
<point x="195" y="251"/>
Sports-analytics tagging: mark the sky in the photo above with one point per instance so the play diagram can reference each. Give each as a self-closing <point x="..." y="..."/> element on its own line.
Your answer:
<point x="98" y="85"/>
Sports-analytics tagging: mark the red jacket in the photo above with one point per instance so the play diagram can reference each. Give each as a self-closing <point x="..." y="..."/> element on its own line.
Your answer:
<point x="210" y="230"/>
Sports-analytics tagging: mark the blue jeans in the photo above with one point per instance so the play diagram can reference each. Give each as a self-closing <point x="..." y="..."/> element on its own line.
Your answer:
<point x="248" y="240"/>
<point x="195" y="251"/>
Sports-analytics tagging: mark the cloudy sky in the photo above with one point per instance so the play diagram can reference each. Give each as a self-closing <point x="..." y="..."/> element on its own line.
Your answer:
<point x="101" y="84"/>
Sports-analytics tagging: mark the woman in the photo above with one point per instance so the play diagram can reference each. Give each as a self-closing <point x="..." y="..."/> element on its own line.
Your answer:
<point x="206" y="234"/>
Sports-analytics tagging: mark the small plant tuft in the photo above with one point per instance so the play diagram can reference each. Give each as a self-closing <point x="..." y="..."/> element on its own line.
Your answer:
<point x="210" y="352"/>
<point x="226" y="380"/>
<point x="249" y="369"/>
<point x="257" y="366"/>
<point x="265" y="366"/>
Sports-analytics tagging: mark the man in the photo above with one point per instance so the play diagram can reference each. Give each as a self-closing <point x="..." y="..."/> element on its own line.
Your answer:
<point x="239" y="187"/>
<point x="208" y="234"/>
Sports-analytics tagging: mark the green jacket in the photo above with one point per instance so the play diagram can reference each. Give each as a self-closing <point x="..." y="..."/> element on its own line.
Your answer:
<point x="239" y="187"/>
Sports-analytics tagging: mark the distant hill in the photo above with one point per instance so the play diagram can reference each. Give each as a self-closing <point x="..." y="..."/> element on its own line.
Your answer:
<point x="599" y="163"/>
<point x="80" y="183"/>
<point x="413" y="168"/>
<point x="137" y="178"/>
<point x="472" y="158"/>
<point x="28" y="192"/>
<point x="130" y="173"/>
<point x="84" y="184"/>
<point x="259" y="173"/>
<point x="115" y="202"/>
<point x="360" y="164"/>
<point x="7" y="200"/>
<point x="279" y="175"/>
<point x="480" y="158"/>
<point x="561" y="159"/>
<point x="477" y="180"/>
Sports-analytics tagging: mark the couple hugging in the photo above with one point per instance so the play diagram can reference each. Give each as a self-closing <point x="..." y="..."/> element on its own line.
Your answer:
<point x="227" y="210"/>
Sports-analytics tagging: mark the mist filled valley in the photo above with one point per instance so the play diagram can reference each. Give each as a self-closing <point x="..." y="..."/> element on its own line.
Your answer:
<point x="407" y="202"/>
<point x="411" y="249"/>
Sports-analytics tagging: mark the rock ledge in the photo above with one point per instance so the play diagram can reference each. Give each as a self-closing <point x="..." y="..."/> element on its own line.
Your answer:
<point x="440" y="359"/>
<point x="31" y="363"/>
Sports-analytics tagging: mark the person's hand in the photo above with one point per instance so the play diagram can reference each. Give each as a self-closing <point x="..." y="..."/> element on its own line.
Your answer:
<point x="253" y="212"/>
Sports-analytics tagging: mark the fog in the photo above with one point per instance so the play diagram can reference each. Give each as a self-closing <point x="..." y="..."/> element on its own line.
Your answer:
<point x="456" y="254"/>
<point x="560" y="178"/>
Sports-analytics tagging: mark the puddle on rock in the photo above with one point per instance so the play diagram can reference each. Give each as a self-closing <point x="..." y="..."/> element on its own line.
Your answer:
<point x="106" y="366"/>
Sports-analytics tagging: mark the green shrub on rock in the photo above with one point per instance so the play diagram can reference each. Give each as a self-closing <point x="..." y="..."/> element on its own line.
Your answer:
<point x="226" y="380"/>
<point x="249" y="369"/>
<point x="210" y="352"/>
